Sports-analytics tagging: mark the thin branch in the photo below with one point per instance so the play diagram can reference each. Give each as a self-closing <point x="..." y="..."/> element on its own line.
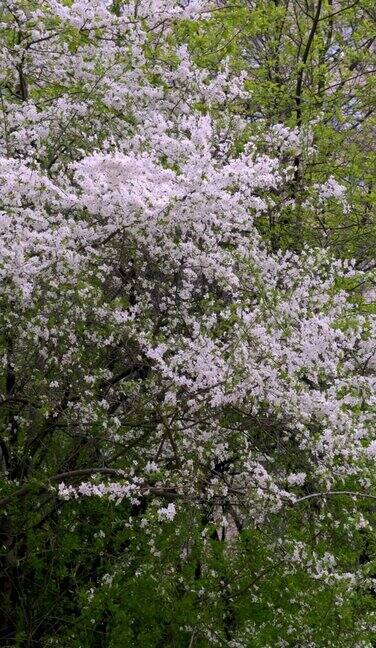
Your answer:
<point x="332" y="494"/>
<point x="84" y="472"/>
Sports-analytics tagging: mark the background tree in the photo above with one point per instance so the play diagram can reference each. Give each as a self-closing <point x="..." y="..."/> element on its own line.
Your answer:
<point x="309" y="65"/>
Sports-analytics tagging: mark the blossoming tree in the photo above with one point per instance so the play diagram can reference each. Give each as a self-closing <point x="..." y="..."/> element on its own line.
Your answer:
<point x="186" y="415"/>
